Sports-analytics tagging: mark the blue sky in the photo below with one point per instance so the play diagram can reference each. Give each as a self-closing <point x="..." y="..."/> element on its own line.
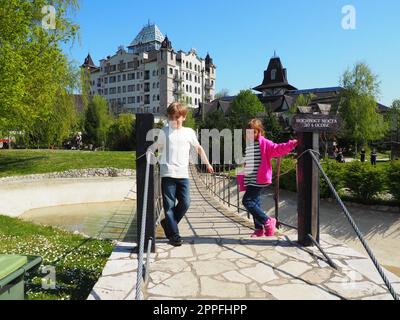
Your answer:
<point x="241" y="36"/>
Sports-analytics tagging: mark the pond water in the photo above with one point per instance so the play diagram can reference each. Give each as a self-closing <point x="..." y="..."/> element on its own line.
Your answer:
<point x="109" y="220"/>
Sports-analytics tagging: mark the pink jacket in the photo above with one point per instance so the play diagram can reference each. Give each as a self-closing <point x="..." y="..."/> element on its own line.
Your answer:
<point x="268" y="151"/>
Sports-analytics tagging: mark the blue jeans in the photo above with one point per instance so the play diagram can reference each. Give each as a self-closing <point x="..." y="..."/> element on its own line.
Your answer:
<point x="252" y="202"/>
<point x="175" y="190"/>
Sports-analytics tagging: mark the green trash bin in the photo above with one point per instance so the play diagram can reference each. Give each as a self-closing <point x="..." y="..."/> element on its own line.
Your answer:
<point x="12" y="273"/>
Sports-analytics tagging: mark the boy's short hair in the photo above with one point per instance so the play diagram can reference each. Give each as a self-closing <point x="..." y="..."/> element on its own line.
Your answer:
<point x="256" y="124"/>
<point x="177" y="108"/>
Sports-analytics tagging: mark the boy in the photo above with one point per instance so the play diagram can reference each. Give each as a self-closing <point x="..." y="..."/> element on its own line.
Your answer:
<point x="174" y="144"/>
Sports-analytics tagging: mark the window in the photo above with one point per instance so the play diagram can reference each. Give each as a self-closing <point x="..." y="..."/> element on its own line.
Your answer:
<point x="131" y="88"/>
<point x="190" y="66"/>
<point x="106" y="91"/>
<point x="154" y="85"/>
<point x="187" y="76"/>
<point x="130" y="65"/>
<point x="119" y="78"/>
<point x="191" y="79"/>
<point x="154" y="109"/>
<point x="138" y="99"/>
<point x="138" y="87"/>
<point x="113" y="90"/>
<point x="154" y="97"/>
<point x="273" y="74"/>
<point x="154" y="73"/>
<point x="137" y="75"/>
<point x="171" y="71"/>
<point x="131" y="100"/>
<point x="124" y="89"/>
<point x="105" y="80"/>
<point x="195" y="101"/>
<point x="158" y="85"/>
<point x="195" y="79"/>
<point x="119" y="89"/>
<point x="123" y="100"/>
<point x="162" y="70"/>
<point x="190" y="88"/>
<point x="124" y="77"/>
<point x="158" y="97"/>
<point x="131" y="76"/>
<point x="112" y="79"/>
<point x="187" y="65"/>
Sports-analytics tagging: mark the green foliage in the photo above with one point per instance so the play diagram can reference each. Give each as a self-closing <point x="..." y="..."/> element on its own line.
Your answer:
<point x="214" y="120"/>
<point x="244" y="107"/>
<point x="97" y="122"/>
<point x="393" y="178"/>
<point x="221" y="94"/>
<point x="358" y="107"/>
<point x="288" y="174"/>
<point x="301" y="100"/>
<point x="78" y="261"/>
<point x="190" y="121"/>
<point x="364" y="180"/>
<point x="335" y="172"/>
<point x="273" y="129"/>
<point x="122" y="133"/>
<point x="35" y="75"/>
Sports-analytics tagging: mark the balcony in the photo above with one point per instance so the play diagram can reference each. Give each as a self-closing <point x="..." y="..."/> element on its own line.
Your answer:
<point x="208" y="85"/>
<point x="178" y="78"/>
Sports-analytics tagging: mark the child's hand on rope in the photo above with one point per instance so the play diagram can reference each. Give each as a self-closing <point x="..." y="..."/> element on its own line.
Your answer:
<point x="210" y="168"/>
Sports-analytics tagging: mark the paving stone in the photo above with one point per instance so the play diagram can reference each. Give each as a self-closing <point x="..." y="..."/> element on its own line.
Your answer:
<point x="158" y="276"/>
<point x="212" y="267"/>
<point x="235" y="276"/>
<point x="295" y="253"/>
<point x="114" y="287"/>
<point x="368" y="270"/>
<point x="162" y="255"/>
<point x="344" y="252"/>
<point x="222" y="289"/>
<point x="169" y="265"/>
<point x="298" y="292"/>
<point x="273" y="256"/>
<point x="114" y="267"/>
<point x="278" y="282"/>
<point x="353" y="290"/>
<point x="317" y="276"/>
<point x="208" y="256"/>
<point x="294" y="268"/>
<point x="261" y="273"/>
<point x="182" y="252"/>
<point x="180" y="285"/>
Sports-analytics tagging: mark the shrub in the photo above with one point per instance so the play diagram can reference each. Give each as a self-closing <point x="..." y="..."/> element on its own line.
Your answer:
<point x="393" y="178"/>
<point x="122" y="134"/>
<point x="287" y="179"/>
<point x="335" y="172"/>
<point x="364" y="180"/>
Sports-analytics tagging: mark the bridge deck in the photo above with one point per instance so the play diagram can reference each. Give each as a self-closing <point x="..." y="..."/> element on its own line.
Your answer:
<point x="219" y="260"/>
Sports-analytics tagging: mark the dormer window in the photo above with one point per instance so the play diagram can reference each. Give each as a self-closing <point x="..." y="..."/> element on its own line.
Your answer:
<point x="273" y="74"/>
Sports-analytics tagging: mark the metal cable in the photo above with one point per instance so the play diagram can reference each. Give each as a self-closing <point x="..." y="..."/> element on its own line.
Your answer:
<point x="354" y="226"/>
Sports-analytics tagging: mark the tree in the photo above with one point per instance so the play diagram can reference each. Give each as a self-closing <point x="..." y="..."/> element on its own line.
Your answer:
<point x="122" y="133"/>
<point x="190" y="122"/>
<point x="97" y="122"/>
<point x="245" y="106"/>
<point x="34" y="73"/>
<point x="273" y="130"/>
<point x="222" y="94"/>
<point x="358" y="106"/>
<point x="393" y="120"/>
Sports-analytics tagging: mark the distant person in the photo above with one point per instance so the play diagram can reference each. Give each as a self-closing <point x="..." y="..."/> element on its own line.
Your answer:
<point x="373" y="157"/>
<point x="339" y="156"/>
<point x="363" y="155"/>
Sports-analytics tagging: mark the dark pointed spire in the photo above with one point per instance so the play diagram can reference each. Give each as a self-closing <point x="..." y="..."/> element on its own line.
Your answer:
<point x="166" y="44"/>
<point x="88" y="61"/>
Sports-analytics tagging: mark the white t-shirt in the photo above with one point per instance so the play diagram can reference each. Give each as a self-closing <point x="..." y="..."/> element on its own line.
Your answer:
<point x="174" y="146"/>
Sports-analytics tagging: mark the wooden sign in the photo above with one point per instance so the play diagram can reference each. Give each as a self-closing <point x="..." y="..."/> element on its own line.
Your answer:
<point x="316" y="123"/>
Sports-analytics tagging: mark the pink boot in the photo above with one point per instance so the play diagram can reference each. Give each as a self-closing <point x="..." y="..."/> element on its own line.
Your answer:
<point x="270" y="227"/>
<point x="258" y="233"/>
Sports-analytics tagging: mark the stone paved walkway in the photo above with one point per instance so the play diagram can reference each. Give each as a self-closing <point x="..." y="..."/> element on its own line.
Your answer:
<point x="219" y="261"/>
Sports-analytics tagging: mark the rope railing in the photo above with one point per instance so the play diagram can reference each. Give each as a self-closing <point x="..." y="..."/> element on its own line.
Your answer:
<point x="354" y="226"/>
<point x="212" y="189"/>
<point x="145" y="268"/>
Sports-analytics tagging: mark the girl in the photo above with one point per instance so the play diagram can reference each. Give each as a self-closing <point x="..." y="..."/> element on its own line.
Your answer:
<point x="258" y="174"/>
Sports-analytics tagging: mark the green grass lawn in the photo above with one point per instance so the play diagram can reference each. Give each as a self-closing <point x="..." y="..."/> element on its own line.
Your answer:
<point x="78" y="261"/>
<point x="23" y="162"/>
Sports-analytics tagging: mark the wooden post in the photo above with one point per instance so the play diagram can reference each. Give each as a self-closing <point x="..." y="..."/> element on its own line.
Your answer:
<point x="307" y="189"/>
<point x="144" y="123"/>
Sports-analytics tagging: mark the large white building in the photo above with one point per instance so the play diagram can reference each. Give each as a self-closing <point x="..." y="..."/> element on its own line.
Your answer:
<point x="149" y="75"/>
